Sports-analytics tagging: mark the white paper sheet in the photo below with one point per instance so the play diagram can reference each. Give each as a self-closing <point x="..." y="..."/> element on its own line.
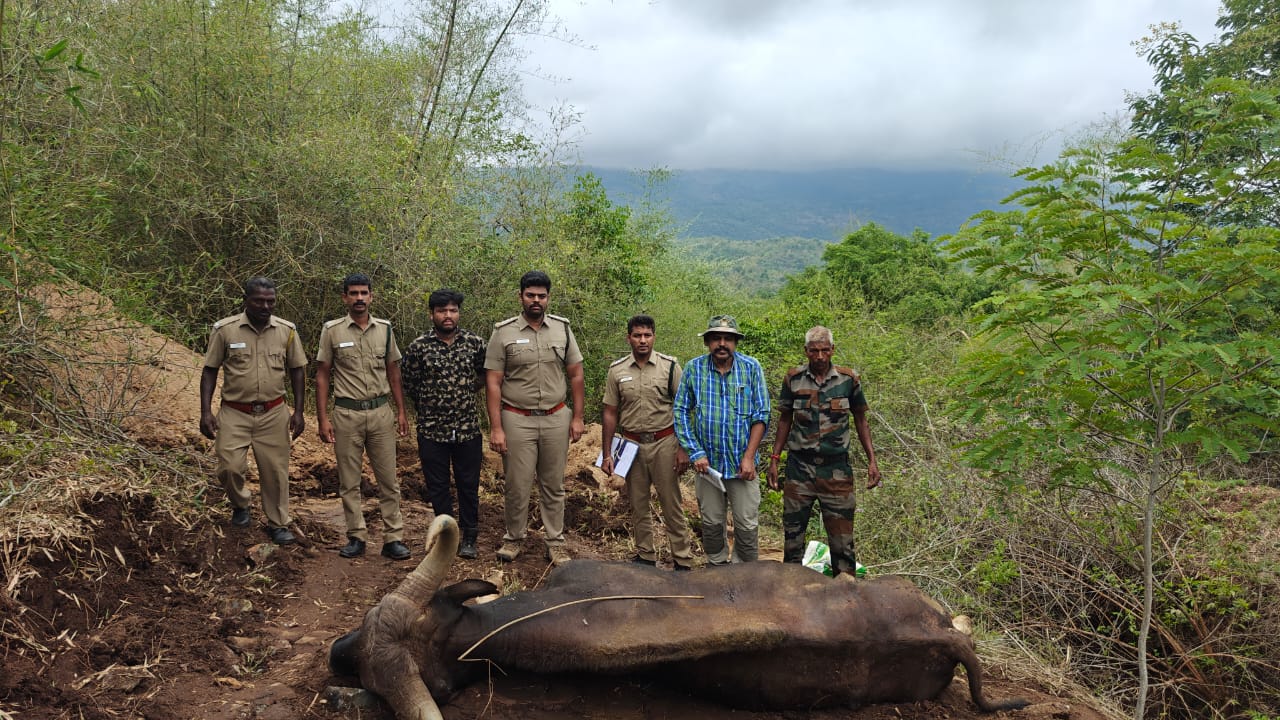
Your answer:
<point x="624" y="454"/>
<point x="714" y="477"/>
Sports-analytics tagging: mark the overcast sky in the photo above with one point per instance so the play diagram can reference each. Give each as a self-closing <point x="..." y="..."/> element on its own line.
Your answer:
<point x="808" y="84"/>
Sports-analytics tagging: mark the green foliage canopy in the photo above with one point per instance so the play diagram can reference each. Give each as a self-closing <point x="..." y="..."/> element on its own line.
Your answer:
<point x="1169" y="116"/>
<point x="1132" y="327"/>
<point x="1124" y="322"/>
<point x="905" y="279"/>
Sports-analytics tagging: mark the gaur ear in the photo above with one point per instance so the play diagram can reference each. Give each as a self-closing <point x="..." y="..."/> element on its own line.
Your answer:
<point x="459" y="593"/>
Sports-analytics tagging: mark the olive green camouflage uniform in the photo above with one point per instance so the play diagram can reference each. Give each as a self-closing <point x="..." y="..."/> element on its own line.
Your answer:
<point x="818" y="460"/>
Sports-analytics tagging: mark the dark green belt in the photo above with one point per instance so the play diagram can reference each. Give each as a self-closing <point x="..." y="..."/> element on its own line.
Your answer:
<point x="370" y="404"/>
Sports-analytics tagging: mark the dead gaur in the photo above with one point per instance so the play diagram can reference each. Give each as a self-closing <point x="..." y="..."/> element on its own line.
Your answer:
<point x="758" y="635"/>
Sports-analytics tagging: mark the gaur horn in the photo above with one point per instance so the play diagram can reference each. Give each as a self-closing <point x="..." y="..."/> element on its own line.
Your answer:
<point x="442" y="545"/>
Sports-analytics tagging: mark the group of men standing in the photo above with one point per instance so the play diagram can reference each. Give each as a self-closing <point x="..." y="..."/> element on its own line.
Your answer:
<point x="710" y="414"/>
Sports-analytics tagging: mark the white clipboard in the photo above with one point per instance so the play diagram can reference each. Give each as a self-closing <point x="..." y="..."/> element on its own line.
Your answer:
<point x="624" y="454"/>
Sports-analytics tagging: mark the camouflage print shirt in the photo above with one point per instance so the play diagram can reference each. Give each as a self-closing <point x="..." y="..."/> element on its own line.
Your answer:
<point x="442" y="380"/>
<point x="821" y="408"/>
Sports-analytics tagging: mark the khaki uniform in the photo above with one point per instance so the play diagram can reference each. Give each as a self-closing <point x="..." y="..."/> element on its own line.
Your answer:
<point x="818" y="465"/>
<point x="255" y="369"/>
<point x="534" y="417"/>
<point x="643" y="396"/>
<point x="363" y="418"/>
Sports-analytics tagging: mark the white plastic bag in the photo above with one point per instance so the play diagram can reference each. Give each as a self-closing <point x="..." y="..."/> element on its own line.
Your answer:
<point x="817" y="556"/>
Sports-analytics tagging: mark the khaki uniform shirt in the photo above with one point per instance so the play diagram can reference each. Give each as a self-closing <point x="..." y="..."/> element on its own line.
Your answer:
<point x="821" y="408"/>
<point x="643" y="395"/>
<point x="532" y="361"/>
<point x="358" y="356"/>
<point x="254" y="364"/>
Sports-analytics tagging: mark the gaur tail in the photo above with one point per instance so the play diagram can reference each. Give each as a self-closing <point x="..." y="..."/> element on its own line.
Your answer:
<point x="973" y="669"/>
<point x="342" y="655"/>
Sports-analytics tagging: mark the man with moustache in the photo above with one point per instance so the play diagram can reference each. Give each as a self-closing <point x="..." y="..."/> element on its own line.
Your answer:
<point x="813" y="421"/>
<point x="638" y="394"/>
<point x="358" y="356"/>
<point x="443" y="370"/>
<point x="256" y="351"/>
<point x="527" y="361"/>
<point x="721" y="411"/>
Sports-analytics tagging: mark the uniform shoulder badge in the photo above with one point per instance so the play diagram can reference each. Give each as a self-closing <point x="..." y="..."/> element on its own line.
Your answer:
<point x="674" y="360"/>
<point x="847" y="371"/>
<point x="224" y="322"/>
<point x="561" y="318"/>
<point x="334" y="322"/>
<point x="382" y="321"/>
<point x="283" y="322"/>
<point x="508" y="321"/>
<point x="619" y="360"/>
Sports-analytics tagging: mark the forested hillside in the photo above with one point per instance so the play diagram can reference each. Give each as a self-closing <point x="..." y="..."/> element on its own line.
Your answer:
<point x="759" y="205"/>
<point x="1074" y="395"/>
<point x="754" y="228"/>
<point x="758" y="267"/>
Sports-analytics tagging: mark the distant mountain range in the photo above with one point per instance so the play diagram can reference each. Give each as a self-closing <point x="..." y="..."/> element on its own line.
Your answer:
<point x="824" y="204"/>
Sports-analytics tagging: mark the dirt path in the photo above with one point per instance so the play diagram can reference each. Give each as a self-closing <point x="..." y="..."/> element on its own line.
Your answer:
<point x="212" y="622"/>
<point x="318" y="596"/>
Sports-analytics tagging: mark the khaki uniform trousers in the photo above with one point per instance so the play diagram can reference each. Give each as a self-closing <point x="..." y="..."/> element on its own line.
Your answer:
<point x="654" y="467"/>
<point x="374" y="431"/>
<point x="268" y="435"/>
<point x="537" y="448"/>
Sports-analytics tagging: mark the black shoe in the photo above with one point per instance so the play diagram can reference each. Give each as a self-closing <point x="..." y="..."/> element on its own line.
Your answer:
<point x="641" y="561"/>
<point x="240" y="517"/>
<point x="682" y="568"/>
<point x="395" y="550"/>
<point x="354" y="548"/>
<point x="281" y="536"/>
<point x="467" y="550"/>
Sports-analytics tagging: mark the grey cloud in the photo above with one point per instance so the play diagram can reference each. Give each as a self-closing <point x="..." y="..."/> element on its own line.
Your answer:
<point x="843" y="83"/>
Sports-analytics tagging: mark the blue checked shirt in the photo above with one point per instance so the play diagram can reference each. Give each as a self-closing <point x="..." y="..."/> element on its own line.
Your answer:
<point x="714" y="412"/>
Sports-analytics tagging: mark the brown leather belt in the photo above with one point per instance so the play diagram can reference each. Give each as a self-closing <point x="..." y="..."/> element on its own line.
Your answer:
<point x="353" y="404"/>
<point x="257" y="408"/>
<point x="534" y="413"/>
<point x="648" y="437"/>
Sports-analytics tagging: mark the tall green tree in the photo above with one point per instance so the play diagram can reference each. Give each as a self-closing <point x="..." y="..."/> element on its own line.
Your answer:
<point x="1248" y="50"/>
<point x="273" y="137"/>
<point x="905" y="279"/>
<point x="1133" y="338"/>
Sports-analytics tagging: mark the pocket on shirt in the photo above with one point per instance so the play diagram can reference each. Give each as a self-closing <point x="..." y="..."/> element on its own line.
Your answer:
<point x="630" y="391"/>
<point x="521" y="354"/>
<point x="347" y="358"/>
<point x="838" y="406"/>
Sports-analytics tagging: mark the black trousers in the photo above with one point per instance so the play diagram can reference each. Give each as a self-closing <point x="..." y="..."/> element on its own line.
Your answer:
<point x="464" y="458"/>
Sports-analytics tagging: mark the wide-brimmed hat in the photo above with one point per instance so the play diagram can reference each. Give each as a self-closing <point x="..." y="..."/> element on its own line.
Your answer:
<point x="722" y="324"/>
